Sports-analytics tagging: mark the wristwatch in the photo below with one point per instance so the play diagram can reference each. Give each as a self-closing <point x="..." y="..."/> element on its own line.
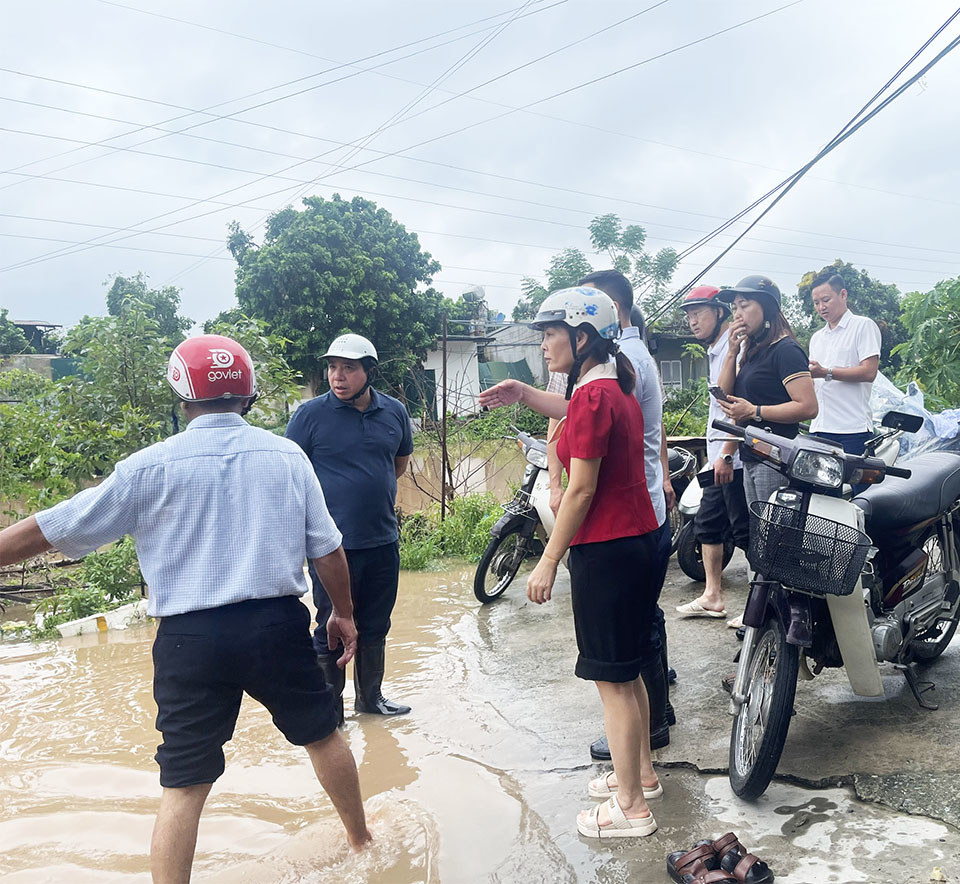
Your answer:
<point x="829" y="375"/>
<point x="758" y="414"/>
<point x="727" y="458"/>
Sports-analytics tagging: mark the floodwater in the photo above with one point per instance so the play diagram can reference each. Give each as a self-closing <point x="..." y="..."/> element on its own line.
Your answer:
<point x="481" y="783"/>
<point x="79" y="788"/>
<point x="474" y="468"/>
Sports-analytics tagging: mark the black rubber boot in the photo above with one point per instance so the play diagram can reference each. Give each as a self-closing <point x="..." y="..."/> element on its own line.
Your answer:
<point x="335" y="678"/>
<point x="368" y="678"/>
<point x="655" y="680"/>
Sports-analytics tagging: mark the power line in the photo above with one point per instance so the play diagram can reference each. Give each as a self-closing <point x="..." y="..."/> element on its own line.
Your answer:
<point x="233" y="116"/>
<point x="854" y="124"/>
<point x="514" y="216"/>
<point x="593" y="81"/>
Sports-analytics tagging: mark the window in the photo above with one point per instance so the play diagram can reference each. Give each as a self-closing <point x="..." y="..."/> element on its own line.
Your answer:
<point x="671" y="373"/>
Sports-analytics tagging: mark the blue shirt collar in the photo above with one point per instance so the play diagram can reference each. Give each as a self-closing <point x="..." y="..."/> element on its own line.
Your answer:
<point x="218" y="419"/>
<point x="631" y="331"/>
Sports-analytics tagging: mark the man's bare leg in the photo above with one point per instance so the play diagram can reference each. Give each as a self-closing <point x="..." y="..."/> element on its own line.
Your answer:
<point x="175" y="833"/>
<point x="337" y="772"/>
<point x="712" y="597"/>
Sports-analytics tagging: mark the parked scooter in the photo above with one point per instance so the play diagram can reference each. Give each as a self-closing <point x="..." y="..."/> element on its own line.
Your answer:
<point x="840" y="582"/>
<point x="522" y="531"/>
<point x="520" y="534"/>
<point x="885" y="444"/>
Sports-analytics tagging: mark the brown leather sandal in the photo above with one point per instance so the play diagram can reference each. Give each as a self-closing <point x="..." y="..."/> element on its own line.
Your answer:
<point x="747" y="868"/>
<point x="706" y="853"/>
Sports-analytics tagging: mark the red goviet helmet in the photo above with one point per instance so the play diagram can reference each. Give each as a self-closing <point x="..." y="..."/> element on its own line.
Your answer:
<point x="705" y="295"/>
<point x="211" y="367"/>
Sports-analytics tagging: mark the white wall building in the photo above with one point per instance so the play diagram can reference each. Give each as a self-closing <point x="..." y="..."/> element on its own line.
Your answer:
<point x="463" y="374"/>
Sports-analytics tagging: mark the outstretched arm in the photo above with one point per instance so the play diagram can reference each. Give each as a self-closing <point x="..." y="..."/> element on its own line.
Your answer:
<point x="24" y="540"/>
<point x="510" y="392"/>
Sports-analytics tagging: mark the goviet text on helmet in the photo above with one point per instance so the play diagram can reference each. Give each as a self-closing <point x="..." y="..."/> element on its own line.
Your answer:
<point x="210" y="367"/>
<point x="581" y="305"/>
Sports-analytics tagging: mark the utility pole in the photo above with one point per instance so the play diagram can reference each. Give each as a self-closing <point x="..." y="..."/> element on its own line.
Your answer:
<point x="443" y="424"/>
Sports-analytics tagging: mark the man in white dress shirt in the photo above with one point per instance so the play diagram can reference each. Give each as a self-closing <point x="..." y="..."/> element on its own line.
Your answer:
<point x="844" y="358"/>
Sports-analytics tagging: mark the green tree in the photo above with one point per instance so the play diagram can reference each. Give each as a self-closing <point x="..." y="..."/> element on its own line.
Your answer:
<point x="276" y="381"/>
<point x="866" y="296"/>
<point x="931" y="351"/>
<point x="12" y="339"/>
<point x="624" y="246"/>
<point x="339" y="266"/>
<point x="164" y="304"/>
<point x="122" y="377"/>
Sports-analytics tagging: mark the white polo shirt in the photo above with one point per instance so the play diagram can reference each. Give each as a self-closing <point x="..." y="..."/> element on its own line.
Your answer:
<point x="716" y="356"/>
<point x="844" y="406"/>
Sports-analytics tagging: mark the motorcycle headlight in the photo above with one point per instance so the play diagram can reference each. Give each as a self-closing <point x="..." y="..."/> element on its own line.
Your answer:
<point x="816" y="468"/>
<point x="537" y="458"/>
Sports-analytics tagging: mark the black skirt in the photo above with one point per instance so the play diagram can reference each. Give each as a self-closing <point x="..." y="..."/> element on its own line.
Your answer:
<point x="613" y="590"/>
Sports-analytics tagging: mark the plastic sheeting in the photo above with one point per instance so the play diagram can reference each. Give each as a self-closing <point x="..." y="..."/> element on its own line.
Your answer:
<point x="939" y="431"/>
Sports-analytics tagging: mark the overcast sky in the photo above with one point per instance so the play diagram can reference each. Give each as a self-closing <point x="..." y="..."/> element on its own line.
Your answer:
<point x="676" y="144"/>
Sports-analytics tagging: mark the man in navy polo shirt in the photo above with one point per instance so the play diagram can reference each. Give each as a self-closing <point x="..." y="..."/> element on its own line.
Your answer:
<point x="359" y="442"/>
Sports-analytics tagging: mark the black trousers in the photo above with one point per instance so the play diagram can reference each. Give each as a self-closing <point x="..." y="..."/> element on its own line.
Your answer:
<point x="723" y="508"/>
<point x="374" y="574"/>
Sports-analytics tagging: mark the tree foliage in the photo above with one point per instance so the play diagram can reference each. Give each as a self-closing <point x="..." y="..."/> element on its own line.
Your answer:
<point x="339" y="266"/>
<point x="625" y="248"/>
<point x="866" y="296"/>
<point x="931" y="350"/>
<point x="12" y="339"/>
<point x="163" y="303"/>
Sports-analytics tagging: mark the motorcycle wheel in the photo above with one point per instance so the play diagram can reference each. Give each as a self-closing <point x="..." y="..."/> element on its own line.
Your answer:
<point x="927" y="647"/>
<point x="760" y="726"/>
<point x="690" y="556"/>
<point x="500" y="563"/>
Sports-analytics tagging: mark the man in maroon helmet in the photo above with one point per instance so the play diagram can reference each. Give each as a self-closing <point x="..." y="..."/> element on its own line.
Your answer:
<point x="223" y="516"/>
<point x="723" y="508"/>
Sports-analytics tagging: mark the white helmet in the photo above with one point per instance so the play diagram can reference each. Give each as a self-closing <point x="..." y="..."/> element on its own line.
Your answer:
<point x="352" y="347"/>
<point x="582" y="305"/>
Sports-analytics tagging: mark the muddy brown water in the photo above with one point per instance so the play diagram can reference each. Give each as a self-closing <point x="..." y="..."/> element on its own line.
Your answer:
<point x="79" y="788"/>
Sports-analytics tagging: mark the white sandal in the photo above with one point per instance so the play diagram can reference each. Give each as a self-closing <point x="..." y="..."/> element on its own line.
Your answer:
<point x="620" y="826"/>
<point x="601" y="788"/>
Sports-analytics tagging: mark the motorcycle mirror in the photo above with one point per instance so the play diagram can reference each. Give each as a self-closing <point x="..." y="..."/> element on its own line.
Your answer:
<point x="899" y="420"/>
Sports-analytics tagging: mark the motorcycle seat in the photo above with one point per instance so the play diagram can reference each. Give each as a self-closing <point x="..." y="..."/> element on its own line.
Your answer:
<point x="898" y="503"/>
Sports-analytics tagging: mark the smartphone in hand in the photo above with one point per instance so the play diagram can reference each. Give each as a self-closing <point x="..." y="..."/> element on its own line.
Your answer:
<point x="718" y="394"/>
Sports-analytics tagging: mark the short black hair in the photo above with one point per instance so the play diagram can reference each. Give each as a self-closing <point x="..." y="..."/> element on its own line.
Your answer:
<point x="612" y="283"/>
<point x="830" y="278"/>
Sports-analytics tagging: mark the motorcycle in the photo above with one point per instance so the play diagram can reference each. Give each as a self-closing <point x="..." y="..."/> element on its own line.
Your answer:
<point x="840" y="582"/>
<point x="884" y="444"/>
<point x="521" y="533"/>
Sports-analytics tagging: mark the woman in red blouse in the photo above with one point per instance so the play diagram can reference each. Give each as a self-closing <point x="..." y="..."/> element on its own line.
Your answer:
<point x="606" y="519"/>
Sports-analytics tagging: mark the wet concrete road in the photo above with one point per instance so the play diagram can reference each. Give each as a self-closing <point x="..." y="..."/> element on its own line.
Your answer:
<point x="484" y="780"/>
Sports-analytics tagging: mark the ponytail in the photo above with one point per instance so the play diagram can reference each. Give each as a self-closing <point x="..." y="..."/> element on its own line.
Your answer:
<point x="626" y="376"/>
<point x="601" y="349"/>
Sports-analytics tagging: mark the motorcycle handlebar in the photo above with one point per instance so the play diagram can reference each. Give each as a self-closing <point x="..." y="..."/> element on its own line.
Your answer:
<point x="898" y="472"/>
<point x="732" y="429"/>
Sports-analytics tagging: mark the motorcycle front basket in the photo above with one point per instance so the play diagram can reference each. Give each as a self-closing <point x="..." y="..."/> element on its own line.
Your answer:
<point x="804" y="551"/>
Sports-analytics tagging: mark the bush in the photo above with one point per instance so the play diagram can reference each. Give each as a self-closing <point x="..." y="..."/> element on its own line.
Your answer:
<point x="103" y="581"/>
<point x="496" y="424"/>
<point x="464" y="534"/>
<point x="685" y="411"/>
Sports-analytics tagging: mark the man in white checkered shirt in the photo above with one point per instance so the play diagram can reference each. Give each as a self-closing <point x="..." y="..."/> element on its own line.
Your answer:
<point x="224" y="516"/>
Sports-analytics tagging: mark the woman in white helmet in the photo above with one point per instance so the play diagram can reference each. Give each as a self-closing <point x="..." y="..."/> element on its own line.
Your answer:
<point x="608" y="522"/>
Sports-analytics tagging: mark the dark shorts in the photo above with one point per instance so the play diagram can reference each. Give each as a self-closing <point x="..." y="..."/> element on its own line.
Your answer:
<point x="205" y="660"/>
<point x="723" y="510"/>
<point x="614" y="595"/>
